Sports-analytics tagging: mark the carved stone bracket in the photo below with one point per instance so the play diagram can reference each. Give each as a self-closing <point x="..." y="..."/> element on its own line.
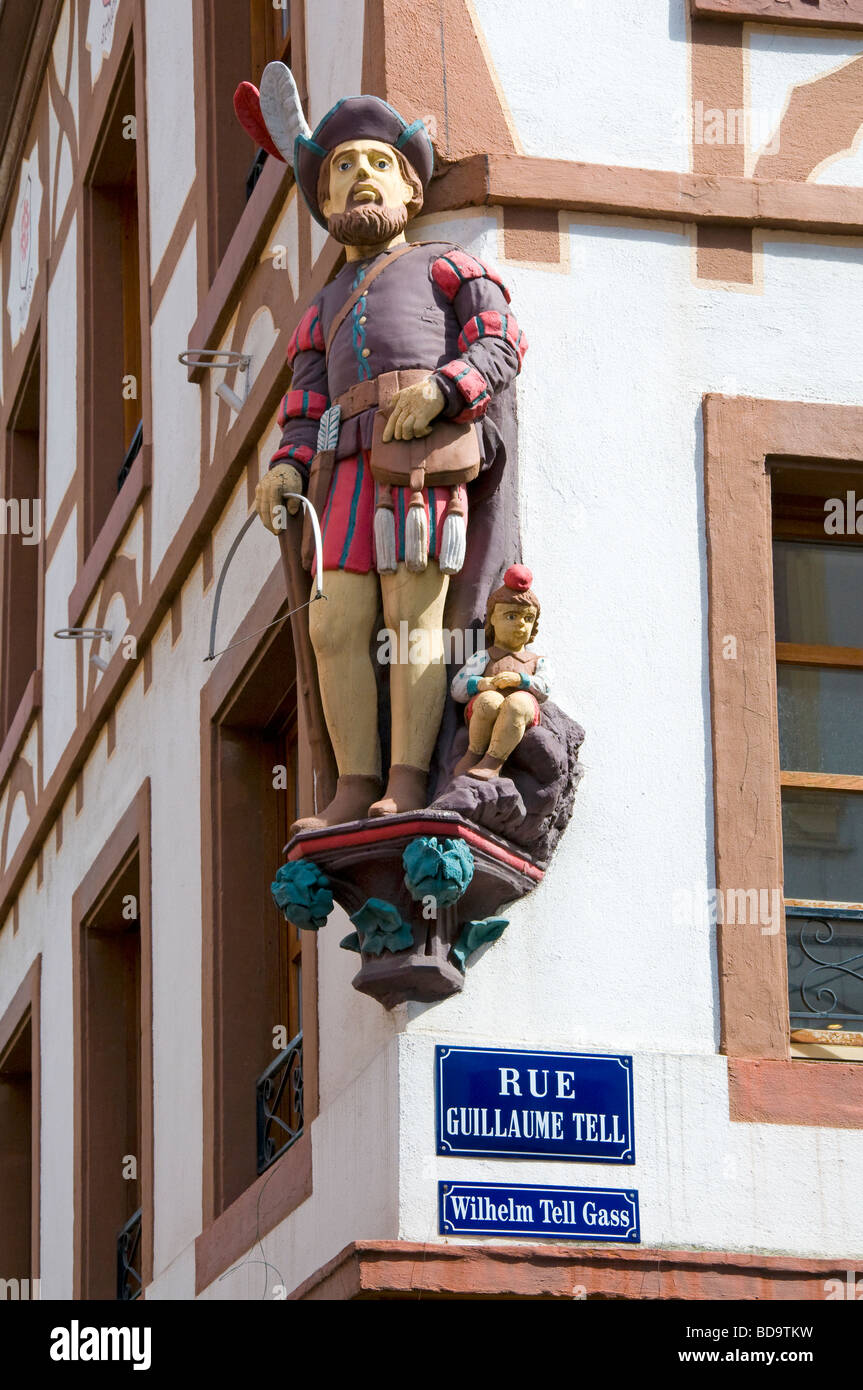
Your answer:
<point x="363" y="865"/>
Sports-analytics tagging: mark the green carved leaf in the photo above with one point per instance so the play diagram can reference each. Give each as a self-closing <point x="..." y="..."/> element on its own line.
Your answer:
<point x="381" y="928"/>
<point x="476" y="934"/>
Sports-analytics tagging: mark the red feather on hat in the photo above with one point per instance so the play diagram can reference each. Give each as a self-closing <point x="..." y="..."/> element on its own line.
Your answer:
<point x="247" y="104"/>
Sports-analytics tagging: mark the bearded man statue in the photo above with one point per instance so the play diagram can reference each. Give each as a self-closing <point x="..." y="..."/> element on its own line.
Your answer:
<point x="414" y="342"/>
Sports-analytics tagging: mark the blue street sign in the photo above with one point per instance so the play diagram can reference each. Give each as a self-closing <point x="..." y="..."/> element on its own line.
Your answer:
<point x="555" y="1213"/>
<point x="566" y="1105"/>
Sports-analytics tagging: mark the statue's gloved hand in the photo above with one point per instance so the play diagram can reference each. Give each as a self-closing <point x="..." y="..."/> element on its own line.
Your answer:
<point x="413" y="409"/>
<point x="268" y="494"/>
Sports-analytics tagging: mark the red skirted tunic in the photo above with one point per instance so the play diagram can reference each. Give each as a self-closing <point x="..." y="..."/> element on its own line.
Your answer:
<point x="437" y="308"/>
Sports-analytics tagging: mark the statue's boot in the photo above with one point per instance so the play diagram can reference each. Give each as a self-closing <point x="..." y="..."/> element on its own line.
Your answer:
<point x="486" y="768"/>
<point x="354" y="795"/>
<point x="406" y="791"/>
<point x="466" y="762"/>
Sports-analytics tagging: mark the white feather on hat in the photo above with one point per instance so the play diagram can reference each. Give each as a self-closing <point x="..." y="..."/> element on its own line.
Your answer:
<point x="281" y="109"/>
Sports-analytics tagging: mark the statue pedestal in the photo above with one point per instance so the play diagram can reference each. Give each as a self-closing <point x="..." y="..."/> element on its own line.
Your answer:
<point x="363" y="860"/>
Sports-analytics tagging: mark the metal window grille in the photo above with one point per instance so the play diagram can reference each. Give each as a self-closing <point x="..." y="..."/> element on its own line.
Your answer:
<point x="129" y="1281"/>
<point x="132" y="453"/>
<point x="255" y="172"/>
<point x="825" y="966"/>
<point x="280" y="1104"/>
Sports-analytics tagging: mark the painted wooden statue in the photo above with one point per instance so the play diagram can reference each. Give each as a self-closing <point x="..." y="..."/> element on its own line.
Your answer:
<point x="411" y="342"/>
<point x="399" y="427"/>
<point x="503" y="684"/>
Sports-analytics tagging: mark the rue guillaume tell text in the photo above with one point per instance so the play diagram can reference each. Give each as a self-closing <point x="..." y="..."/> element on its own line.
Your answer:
<point x="484" y="1122"/>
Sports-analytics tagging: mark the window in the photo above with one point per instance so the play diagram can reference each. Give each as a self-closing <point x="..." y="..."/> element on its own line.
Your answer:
<point x="113" y="1065"/>
<point x="19" y="1142"/>
<point x="260" y="973"/>
<point x="270" y="34"/>
<point x="818" y="596"/>
<point x="257" y="970"/>
<point x="24" y="519"/>
<point x="110" y="982"/>
<point x="239" y="39"/>
<point x="113" y="308"/>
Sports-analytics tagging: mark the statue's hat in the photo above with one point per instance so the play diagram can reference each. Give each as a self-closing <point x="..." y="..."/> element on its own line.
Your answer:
<point x="274" y="119"/>
<point x="516" y="588"/>
<point x="359" y="118"/>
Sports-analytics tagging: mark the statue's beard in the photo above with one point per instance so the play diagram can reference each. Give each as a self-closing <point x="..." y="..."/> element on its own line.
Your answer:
<point x="367" y="225"/>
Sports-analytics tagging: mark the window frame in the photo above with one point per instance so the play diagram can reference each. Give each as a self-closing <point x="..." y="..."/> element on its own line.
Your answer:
<point x="822" y="657"/>
<point x="130" y="837"/>
<point x="25" y="1009"/>
<point x="826" y="658"/>
<point x="229" y="1229"/>
<point x="741" y="437"/>
<point x="269" y="42"/>
<point x="224" y="152"/>
<point x="101" y="498"/>
<point x="11" y="706"/>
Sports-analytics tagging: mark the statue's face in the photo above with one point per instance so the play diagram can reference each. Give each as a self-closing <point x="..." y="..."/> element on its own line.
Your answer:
<point x="512" y="624"/>
<point x="365" y="173"/>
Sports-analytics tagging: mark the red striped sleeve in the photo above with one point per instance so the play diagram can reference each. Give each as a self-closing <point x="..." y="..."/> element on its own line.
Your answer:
<point x="491" y="324"/>
<point x="471" y="385"/>
<point x="293" y="453"/>
<point x="302" y="405"/>
<point x="456" y="268"/>
<point x="307" y="335"/>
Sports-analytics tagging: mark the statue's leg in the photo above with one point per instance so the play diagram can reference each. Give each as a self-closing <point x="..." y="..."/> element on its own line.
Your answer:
<point x="341" y="629"/>
<point x="417" y="683"/>
<point x="514" y="718"/>
<point x="484" y="712"/>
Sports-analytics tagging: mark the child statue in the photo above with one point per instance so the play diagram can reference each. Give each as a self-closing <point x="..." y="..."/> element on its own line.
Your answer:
<point x="503" y="684"/>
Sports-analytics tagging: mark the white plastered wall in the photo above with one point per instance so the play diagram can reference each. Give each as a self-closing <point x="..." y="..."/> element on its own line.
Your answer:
<point x="61" y="417"/>
<point x="170" y="118"/>
<point x="777" y="62"/>
<point x="176" y="407"/>
<point x="334" y="54"/>
<point x="606" y="83"/>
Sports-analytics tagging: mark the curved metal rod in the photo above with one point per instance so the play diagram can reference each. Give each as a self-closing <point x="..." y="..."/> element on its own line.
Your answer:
<point x="319" y="545"/>
<point x="207" y="358"/>
<point x="235" y="545"/>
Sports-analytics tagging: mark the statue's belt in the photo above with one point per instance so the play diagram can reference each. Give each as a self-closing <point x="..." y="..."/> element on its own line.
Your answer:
<point x="379" y="391"/>
<point x="450" y="456"/>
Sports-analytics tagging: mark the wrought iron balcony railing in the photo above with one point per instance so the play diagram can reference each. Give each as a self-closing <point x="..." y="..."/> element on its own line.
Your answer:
<point x="280" y="1104"/>
<point x="129" y="1281"/>
<point x="825" y="966"/>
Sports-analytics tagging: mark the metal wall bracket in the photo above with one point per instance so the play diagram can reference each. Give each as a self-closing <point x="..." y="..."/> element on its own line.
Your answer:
<point x="209" y="358"/>
<point x="77" y="634"/>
